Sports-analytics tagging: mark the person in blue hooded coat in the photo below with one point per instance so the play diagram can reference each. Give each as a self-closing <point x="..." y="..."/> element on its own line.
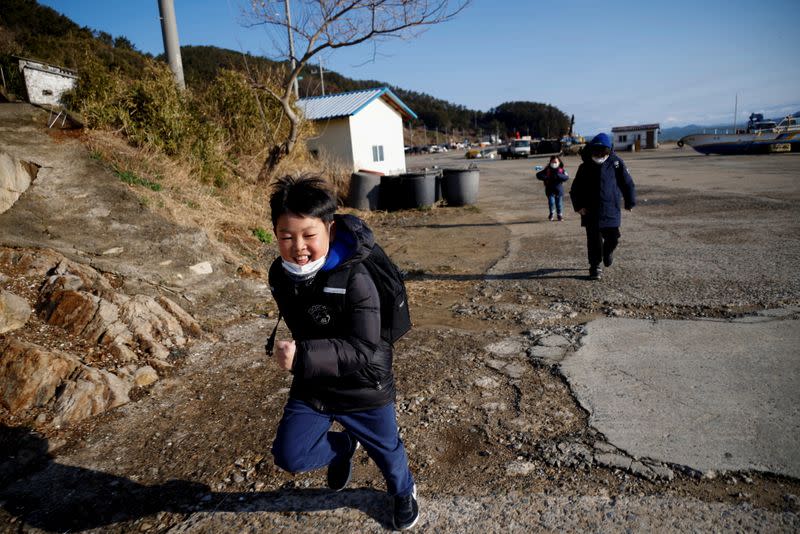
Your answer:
<point x="601" y="185"/>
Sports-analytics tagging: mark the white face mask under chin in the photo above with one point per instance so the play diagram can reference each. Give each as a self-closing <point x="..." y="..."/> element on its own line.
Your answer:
<point x="303" y="272"/>
<point x="600" y="161"/>
<point x="554" y="165"/>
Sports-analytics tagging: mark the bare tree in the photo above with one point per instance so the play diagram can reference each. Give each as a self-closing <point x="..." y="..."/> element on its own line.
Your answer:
<point x="326" y="25"/>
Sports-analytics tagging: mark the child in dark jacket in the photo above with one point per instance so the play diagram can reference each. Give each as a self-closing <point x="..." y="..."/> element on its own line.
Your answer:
<point x="554" y="176"/>
<point x="342" y="366"/>
<point x="601" y="182"/>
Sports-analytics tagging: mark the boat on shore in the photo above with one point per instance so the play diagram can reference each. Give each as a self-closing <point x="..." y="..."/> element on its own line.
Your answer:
<point x="760" y="137"/>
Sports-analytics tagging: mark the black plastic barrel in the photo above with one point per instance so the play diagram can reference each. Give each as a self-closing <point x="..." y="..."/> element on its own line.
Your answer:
<point x="389" y="198"/>
<point x="460" y="186"/>
<point x="364" y="191"/>
<point x="437" y="181"/>
<point x="417" y="190"/>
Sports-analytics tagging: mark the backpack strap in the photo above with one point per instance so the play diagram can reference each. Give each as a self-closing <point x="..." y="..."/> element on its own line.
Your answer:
<point x="335" y="287"/>
<point x="270" y="346"/>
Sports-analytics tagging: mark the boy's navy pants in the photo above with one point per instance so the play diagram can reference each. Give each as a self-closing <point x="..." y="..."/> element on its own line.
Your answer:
<point x="600" y="241"/>
<point x="304" y="443"/>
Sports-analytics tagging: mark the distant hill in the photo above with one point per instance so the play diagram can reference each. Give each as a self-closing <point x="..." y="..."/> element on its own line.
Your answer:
<point x="31" y="30"/>
<point x="201" y="63"/>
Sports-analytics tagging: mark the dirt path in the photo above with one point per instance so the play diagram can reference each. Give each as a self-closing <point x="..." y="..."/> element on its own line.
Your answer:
<point x="495" y="438"/>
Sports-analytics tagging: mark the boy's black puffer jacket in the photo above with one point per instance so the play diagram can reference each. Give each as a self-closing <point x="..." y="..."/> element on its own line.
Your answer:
<point x="341" y="363"/>
<point x="600" y="189"/>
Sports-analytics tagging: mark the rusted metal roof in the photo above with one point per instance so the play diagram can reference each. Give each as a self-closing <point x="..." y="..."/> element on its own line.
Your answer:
<point x="346" y="104"/>
<point x="655" y="126"/>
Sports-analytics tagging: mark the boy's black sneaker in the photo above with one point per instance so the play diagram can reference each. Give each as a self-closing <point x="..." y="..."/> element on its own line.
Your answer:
<point x="406" y="510"/>
<point x="550" y="217"/>
<point x="608" y="259"/>
<point x="339" y="471"/>
<point x="595" y="273"/>
<point x="560" y="217"/>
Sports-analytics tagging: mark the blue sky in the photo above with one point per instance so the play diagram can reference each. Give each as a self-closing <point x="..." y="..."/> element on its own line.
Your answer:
<point x="609" y="63"/>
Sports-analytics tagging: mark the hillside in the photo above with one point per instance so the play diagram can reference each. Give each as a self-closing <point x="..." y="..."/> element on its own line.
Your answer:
<point x="31" y="30"/>
<point x="201" y="64"/>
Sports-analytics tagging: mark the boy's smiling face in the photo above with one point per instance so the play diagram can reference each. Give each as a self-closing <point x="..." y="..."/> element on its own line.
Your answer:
<point x="302" y="239"/>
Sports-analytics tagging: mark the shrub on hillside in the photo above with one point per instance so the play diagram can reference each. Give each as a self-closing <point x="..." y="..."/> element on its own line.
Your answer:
<point x="212" y="129"/>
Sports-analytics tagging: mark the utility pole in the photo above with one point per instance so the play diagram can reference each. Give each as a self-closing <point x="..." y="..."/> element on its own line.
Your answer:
<point x="321" y="77"/>
<point x="291" y="45"/>
<point x="172" y="48"/>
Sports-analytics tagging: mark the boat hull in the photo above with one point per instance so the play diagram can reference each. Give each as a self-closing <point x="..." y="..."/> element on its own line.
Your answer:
<point x="732" y="144"/>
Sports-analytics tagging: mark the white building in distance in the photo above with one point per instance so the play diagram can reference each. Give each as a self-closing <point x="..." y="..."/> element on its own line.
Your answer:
<point x="45" y="83"/>
<point x="362" y="129"/>
<point x="640" y="136"/>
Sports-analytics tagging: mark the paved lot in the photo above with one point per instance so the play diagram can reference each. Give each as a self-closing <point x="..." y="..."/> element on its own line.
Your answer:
<point x="710" y="395"/>
<point x="711" y="236"/>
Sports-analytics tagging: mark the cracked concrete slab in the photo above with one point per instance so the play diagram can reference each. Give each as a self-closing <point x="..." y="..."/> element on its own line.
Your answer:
<point x="710" y="395"/>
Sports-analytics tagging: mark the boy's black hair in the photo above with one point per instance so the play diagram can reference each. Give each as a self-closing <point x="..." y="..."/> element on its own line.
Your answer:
<point x="307" y="195"/>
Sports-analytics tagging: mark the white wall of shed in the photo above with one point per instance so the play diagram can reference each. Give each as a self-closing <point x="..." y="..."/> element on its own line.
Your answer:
<point x="378" y="124"/>
<point x="333" y="140"/>
<point x="37" y="82"/>
<point x="631" y="139"/>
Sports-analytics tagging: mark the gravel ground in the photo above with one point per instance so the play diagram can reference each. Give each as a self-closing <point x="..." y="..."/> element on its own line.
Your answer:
<point x="495" y="438"/>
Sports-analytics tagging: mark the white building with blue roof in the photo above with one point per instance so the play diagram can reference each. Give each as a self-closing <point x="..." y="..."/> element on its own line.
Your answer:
<point x="362" y="129"/>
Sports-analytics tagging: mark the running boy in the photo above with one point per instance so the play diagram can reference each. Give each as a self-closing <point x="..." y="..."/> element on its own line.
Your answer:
<point x="342" y="367"/>
<point x="601" y="180"/>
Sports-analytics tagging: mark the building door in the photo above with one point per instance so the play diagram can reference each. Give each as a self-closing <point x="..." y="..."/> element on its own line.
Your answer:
<point x="651" y="139"/>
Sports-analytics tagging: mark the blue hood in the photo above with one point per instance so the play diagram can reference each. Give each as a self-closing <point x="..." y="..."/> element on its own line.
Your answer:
<point x="353" y="241"/>
<point x="602" y="139"/>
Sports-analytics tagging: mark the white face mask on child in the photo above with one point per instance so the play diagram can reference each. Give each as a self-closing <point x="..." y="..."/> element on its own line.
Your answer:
<point x="600" y="161"/>
<point x="554" y="165"/>
<point x="303" y="272"/>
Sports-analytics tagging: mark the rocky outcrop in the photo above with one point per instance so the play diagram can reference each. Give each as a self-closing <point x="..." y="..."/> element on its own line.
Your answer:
<point x="33" y="377"/>
<point x="14" y="311"/>
<point x="30" y="375"/>
<point x="91" y="392"/>
<point x="15" y="178"/>
<point x="78" y="299"/>
<point x="139" y="335"/>
<point x="28" y="263"/>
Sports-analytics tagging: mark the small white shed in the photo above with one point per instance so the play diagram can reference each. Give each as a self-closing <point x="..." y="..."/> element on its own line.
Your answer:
<point x="363" y="129"/>
<point x="646" y="135"/>
<point x="45" y="83"/>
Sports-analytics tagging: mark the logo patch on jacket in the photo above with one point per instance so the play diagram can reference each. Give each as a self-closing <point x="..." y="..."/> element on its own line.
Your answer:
<point x="320" y="313"/>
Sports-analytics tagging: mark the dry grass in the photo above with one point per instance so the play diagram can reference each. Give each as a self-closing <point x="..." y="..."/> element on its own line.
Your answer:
<point x="229" y="214"/>
<point x="194" y="156"/>
<point x="335" y="171"/>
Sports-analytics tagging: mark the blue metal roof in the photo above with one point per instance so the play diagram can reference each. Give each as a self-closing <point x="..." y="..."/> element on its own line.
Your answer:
<point x="346" y="104"/>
